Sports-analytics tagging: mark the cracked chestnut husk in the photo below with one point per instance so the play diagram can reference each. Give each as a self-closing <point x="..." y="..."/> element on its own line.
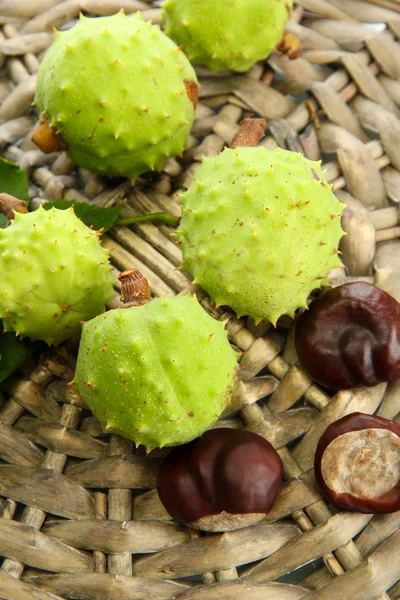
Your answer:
<point x="224" y="480"/>
<point x="350" y="337"/>
<point x="357" y="463"/>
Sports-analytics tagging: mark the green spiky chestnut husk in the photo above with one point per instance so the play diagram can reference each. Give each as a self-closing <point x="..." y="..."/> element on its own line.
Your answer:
<point x="120" y="94"/>
<point x="260" y="230"/>
<point x="54" y="273"/>
<point x="228" y="34"/>
<point x="159" y="374"/>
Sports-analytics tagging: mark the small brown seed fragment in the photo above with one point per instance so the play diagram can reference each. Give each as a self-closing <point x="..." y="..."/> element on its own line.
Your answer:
<point x="192" y="90"/>
<point x="290" y="45"/>
<point x="135" y="289"/>
<point x="47" y="139"/>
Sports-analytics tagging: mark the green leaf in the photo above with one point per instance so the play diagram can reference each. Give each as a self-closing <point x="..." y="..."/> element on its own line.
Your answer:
<point x="97" y="216"/>
<point x="13" y="352"/>
<point x="3" y="221"/>
<point x="13" y="180"/>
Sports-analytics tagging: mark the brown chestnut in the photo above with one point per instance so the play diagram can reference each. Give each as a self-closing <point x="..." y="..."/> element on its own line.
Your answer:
<point x="357" y="463"/>
<point x="350" y="337"/>
<point x="224" y="480"/>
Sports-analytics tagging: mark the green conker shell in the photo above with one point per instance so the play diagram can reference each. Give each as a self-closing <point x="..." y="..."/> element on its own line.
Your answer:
<point x="159" y="374"/>
<point x="119" y="92"/>
<point x="227" y="34"/>
<point x="54" y="274"/>
<point x="260" y="230"/>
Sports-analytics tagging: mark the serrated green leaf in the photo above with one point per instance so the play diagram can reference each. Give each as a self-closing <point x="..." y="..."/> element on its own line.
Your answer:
<point x="97" y="217"/>
<point x="13" y="352"/>
<point x="13" y="180"/>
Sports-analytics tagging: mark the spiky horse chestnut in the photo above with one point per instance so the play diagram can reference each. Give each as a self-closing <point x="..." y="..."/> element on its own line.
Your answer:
<point x="260" y="230"/>
<point x="357" y="463"/>
<point x="224" y="480"/>
<point x="158" y="372"/>
<point x="54" y="274"/>
<point x="350" y="337"/>
<point x="117" y="94"/>
<point x="228" y="34"/>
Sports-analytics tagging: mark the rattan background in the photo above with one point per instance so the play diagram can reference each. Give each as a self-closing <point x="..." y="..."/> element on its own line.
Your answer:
<point x="79" y="514"/>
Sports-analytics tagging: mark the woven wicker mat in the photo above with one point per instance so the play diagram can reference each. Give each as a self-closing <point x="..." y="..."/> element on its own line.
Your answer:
<point x="80" y="516"/>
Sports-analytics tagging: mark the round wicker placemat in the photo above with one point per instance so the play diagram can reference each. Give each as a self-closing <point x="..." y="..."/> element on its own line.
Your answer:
<point x="79" y="514"/>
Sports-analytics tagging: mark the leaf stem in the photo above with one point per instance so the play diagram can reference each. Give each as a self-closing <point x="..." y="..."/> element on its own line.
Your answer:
<point x="160" y="217"/>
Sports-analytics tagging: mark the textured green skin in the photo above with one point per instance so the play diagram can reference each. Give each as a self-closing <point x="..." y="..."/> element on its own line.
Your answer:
<point x="159" y="374"/>
<point x="54" y="273"/>
<point x="226" y="34"/>
<point x="114" y="89"/>
<point x="260" y="230"/>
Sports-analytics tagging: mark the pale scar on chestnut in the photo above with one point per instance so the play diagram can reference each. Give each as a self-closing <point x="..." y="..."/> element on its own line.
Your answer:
<point x="363" y="463"/>
<point x="225" y="521"/>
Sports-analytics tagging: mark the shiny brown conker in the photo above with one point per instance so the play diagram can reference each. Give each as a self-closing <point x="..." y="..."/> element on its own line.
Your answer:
<point x="350" y="337"/>
<point x="224" y="480"/>
<point x="357" y="463"/>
